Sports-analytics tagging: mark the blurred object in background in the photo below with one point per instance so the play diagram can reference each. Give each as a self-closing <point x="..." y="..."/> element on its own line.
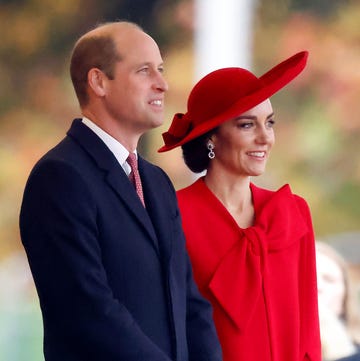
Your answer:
<point x="20" y="317"/>
<point x="347" y="244"/>
<point x="335" y="309"/>
<point x="211" y="52"/>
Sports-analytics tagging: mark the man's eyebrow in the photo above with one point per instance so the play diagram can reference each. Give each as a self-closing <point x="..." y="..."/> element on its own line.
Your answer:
<point x="149" y="63"/>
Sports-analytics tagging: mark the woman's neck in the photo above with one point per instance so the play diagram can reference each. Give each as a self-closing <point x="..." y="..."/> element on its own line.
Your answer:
<point x="235" y="194"/>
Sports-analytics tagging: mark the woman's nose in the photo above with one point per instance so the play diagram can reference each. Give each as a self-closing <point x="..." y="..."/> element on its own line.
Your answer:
<point x="264" y="135"/>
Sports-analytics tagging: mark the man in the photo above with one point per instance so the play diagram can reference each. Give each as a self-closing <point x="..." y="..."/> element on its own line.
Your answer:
<point x="109" y="264"/>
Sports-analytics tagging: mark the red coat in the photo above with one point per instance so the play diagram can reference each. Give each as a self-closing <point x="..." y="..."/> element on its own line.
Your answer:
<point x="260" y="280"/>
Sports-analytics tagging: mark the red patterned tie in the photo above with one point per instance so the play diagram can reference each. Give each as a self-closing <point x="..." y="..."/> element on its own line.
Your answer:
<point x="134" y="176"/>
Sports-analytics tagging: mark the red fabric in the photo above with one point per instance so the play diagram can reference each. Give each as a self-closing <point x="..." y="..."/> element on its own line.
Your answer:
<point x="261" y="280"/>
<point x="134" y="176"/>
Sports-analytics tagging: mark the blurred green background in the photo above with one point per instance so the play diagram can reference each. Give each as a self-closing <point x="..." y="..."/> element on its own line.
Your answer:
<point x="318" y="116"/>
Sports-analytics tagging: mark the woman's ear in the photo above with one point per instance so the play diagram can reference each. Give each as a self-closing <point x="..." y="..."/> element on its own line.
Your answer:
<point x="96" y="81"/>
<point x="211" y="138"/>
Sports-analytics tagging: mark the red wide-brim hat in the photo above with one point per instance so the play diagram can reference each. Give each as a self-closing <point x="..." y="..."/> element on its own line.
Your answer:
<point x="225" y="94"/>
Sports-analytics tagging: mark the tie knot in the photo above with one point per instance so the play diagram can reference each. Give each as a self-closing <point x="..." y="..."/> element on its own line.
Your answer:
<point x="131" y="159"/>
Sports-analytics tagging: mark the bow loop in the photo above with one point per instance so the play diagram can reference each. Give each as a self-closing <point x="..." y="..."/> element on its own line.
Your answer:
<point x="280" y="221"/>
<point x="236" y="283"/>
<point x="180" y="127"/>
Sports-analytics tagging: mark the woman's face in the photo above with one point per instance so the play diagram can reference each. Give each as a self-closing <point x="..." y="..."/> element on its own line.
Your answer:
<point x="331" y="285"/>
<point x="243" y="144"/>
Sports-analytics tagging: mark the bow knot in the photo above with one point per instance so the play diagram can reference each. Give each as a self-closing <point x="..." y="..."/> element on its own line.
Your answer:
<point x="256" y="237"/>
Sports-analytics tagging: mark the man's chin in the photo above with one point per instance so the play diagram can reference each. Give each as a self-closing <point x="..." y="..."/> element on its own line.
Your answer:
<point x="157" y="122"/>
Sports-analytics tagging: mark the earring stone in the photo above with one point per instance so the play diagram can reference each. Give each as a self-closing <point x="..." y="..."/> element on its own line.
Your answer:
<point x="211" y="153"/>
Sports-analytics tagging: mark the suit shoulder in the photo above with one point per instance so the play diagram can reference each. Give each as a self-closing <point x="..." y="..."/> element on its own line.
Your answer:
<point x="64" y="167"/>
<point x="56" y="158"/>
<point x="60" y="152"/>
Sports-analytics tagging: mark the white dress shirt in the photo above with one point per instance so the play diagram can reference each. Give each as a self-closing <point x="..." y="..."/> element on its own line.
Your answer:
<point x="119" y="151"/>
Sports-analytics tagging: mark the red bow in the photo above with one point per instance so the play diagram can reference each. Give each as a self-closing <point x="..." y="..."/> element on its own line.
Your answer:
<point x="237" y="282"/>
<point x="180" y="127"/>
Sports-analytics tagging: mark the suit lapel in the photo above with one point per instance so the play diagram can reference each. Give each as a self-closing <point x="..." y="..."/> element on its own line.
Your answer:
<point x="125" y="190"/>
<point x="158" y="203"/>
<point x="115" y="175"/>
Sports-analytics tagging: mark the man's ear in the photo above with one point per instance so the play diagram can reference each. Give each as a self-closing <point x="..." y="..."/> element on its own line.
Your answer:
<point x="96" y="81"/>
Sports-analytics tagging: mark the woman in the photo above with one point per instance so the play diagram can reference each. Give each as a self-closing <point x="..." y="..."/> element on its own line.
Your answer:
<point x="252" y="249"/>
<point x="333" y="293"/>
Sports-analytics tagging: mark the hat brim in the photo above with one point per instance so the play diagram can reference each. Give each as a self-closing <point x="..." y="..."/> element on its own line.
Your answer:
<point x="272" y="81"/>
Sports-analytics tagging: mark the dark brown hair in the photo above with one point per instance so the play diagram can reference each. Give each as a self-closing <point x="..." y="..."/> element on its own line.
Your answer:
<point x="195" y="152"/>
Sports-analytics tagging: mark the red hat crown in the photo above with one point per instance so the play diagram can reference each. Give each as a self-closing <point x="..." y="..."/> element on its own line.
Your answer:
<point x="218" y="91"/>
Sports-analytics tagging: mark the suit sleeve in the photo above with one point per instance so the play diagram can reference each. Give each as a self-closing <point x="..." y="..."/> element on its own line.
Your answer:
<point x="310" y="331"/>
<point x="202" y="338"/>
<point x="59" y="232"/>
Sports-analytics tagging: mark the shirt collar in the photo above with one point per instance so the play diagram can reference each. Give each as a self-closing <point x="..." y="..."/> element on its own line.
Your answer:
<point x="119" y="151"/>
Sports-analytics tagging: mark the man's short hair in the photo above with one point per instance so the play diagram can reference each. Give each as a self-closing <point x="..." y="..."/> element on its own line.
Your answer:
<point x="93" y="51"/>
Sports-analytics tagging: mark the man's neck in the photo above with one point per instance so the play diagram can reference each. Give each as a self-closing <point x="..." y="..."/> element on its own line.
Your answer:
<point x="114" y="129"/>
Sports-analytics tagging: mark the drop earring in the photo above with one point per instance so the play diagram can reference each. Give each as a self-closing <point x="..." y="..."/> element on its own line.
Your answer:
<point x="210" y="147"/>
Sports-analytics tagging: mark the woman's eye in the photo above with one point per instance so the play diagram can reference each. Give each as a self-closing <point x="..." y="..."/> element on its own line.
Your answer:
<point x="245" y="125"/>
<point x="271" y="123"/>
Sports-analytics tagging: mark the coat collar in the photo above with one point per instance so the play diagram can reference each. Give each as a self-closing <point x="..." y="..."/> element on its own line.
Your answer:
<point x="115" y="175"/>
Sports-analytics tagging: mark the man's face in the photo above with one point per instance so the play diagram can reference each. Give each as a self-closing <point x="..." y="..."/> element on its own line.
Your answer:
<point x="135" y="97"/>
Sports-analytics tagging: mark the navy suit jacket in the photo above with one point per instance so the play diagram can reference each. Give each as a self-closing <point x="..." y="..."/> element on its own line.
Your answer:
<point x="113" y="278"/>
